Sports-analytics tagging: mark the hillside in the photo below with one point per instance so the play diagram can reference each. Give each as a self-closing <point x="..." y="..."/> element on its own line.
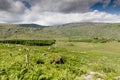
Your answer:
<point x="32" y="25"/>
<point x="76" y="61"/>
<point x="66" y="31"/>
<point x="30" y="59"/>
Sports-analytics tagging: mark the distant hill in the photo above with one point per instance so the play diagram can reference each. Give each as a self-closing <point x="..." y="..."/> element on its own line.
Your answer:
<point x="61" y="32"/>
<point x="91" y="30"/>
<point x="32" y="25"/>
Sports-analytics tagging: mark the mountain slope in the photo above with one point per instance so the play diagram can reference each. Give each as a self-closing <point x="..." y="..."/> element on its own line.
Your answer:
<point x="32" y="25"/>
<point x="66" y="31"/>
<point x="91" y="30"/>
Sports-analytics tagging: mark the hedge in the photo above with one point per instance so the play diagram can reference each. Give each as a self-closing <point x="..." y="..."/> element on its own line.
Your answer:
<point x="30" y="42"/>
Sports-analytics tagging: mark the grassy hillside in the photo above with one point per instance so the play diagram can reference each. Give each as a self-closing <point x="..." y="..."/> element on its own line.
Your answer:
<point x="62" y="61"/>
<point x="67" y="31"/>
<point x="91" y="30"/>
<point x="22" y="31"/>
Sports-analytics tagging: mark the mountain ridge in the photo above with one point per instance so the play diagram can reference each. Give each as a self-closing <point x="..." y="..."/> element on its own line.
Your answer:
<point x="65" y="31"/>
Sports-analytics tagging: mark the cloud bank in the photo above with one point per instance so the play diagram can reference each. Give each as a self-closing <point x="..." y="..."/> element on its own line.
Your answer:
<point x="54" y="12"/>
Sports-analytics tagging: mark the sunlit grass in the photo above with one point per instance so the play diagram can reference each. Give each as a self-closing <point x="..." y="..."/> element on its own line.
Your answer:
<point x="79" y="58"/>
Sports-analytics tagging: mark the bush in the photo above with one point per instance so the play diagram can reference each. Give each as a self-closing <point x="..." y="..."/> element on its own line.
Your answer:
<point x="30" y="42"/>
<point x="54" y="59"/>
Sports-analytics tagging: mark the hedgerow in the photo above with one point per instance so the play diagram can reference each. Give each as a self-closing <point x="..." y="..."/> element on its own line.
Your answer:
<point x="30" y="42"/>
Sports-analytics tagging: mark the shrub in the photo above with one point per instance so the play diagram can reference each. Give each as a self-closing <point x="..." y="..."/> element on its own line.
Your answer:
<point x="39" y="61"/>
<point x="54" y="59"/>
<point x="30" y="42"/>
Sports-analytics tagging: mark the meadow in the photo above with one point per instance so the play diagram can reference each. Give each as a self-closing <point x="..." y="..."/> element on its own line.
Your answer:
<point x="75" y="51"/>
<point x="63" y="60"/>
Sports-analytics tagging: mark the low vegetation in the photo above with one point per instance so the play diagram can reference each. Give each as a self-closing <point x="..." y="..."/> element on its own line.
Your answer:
<point x="94" y="40"/>
<point x="76" y="31"/>
<point x="76" y="51"/>
<point x="30" y="42"/>
<point x="61" y="61"/>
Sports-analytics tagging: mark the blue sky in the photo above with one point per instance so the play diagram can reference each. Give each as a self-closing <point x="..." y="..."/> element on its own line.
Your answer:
<point x="56" y="12"/>
<point x="111" y="7"/>
<point x="26" y="4"/>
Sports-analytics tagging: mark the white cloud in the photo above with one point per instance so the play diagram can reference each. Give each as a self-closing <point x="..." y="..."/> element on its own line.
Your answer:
<point x="62" y="6"/>
<point x="12" y="6"/>
<point x="46" y="12"/>
<point x="106" y="3"/>
<point x="49" y="18"/>
<point x="116" y="3"/>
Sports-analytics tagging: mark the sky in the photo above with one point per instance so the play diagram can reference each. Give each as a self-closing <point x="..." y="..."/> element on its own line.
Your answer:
<point x="57" y="12"/>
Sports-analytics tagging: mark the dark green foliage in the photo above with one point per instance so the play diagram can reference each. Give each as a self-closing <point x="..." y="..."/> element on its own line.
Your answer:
<point x="78" y="71"/>
<point x="39" y="61"/>
<point x="30" y="42"/>
<point x="3" y="72"/>
<point x="118" y="40"/>
<point x="102" y="40"/>
<point x="32" y="25"/>
<point x="22" y="73"/>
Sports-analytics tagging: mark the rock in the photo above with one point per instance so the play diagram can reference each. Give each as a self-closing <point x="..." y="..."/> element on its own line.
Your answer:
<point x="20" y="50"/>
<point x="98" y="79"/>
<point x="83" y="52"/>
<point x="98" y="74"/>
<point x="88" y="77"/>
<point x="91" y="76"/>
<point x="49" y="48"/>
<point x="44" y="54"/>
<point x="92" y="73"/>
<point x="101" y="75"/>
<point x="55" y="45"/>
<point x="117" y="78"/>
<point x="79" y="78"/>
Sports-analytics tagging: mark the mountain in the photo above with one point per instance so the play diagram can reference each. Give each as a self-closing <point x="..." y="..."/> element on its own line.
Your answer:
<point x="62" y="32"/>
<point x="32" y="25"/>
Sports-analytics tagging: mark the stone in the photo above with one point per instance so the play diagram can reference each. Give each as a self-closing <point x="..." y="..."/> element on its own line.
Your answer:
<point x="117" y="78"/>
<point x="98" y="74"/>
<point x="98" y="79"/>
<point x="44" y="54"/>
<point x="88" y="77"/>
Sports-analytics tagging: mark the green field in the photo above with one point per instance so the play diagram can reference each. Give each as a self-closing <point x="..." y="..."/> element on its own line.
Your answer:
<point x="61" y="61"/>
<point x="75" y="51"/>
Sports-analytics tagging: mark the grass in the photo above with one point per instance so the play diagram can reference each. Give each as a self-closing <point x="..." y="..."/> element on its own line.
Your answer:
<point x="64" y="60"/>
<point x="80" y="58"/>
<point x="71" y="31"/>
